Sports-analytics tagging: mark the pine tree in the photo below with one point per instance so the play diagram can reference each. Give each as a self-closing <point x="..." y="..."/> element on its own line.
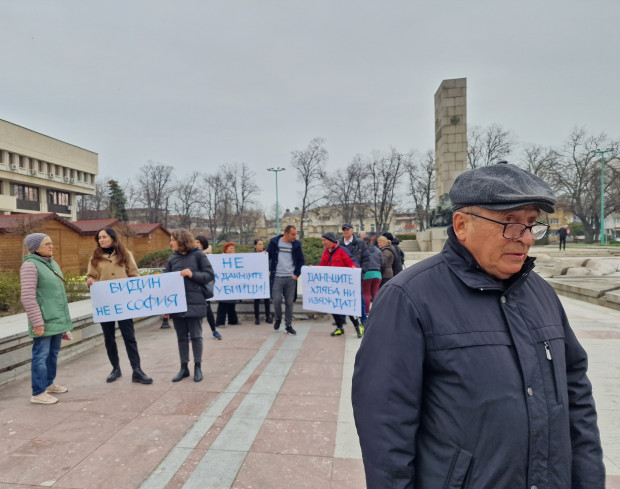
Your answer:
<point x="117" y="209"/>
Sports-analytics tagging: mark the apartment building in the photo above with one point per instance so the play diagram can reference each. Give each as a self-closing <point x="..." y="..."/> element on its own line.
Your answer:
<point x="40" y="174"/>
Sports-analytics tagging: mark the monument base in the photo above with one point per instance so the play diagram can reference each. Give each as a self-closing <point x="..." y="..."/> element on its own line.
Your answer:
<point x="432" y="239"/>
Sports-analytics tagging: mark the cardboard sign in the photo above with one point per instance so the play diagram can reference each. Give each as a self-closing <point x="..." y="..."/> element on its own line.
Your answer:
<point x="240" y="276"/>
<point x="336" y="290"/>
<point x="126" y="298"/>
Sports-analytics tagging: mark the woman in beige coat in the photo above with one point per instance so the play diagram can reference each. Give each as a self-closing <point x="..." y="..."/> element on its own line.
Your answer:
<point x="111" y="261"/>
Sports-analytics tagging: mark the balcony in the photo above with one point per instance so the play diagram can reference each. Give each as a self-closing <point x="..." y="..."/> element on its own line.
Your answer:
<point x="29" y="205"/>
<point x="59" y="209"/>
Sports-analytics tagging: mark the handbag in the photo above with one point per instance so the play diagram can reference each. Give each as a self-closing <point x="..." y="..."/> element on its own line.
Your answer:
<point x="207" y="288"/>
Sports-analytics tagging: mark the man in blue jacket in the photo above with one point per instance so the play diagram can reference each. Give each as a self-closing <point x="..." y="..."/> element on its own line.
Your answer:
<point x="469" y="375"/>
<point x="286" y="258"/>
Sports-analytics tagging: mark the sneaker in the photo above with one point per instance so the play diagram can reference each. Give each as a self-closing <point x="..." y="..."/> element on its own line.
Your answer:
<point x="257" y="321"/>
<point x="56" y="389"/>
<point x="360" y="331"/>
<point x="217" y="336"/>
<point x="290" y="330"/>
<point x="337" y="332"/>
<point x="43" y="398"/>
<point x="276" y="325"/>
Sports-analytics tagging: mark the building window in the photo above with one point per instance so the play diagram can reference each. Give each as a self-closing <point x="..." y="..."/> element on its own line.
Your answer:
<point x="372" y="228"/>
<point x="25" y="192"/>
<point x="554" y="220"/>
<point x="58" y="198"/>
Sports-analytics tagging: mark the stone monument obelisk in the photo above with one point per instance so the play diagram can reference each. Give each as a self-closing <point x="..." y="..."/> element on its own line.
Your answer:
<point x="450" y="156"/>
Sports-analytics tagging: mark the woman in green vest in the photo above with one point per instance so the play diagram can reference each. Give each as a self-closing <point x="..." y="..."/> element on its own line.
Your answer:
<point x="45" y="300"/>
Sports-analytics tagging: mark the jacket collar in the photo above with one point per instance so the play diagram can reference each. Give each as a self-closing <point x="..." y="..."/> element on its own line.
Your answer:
<point x="465" y="267"/>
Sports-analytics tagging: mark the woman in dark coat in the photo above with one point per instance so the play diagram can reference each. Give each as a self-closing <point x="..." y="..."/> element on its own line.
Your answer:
<point x="196" y="271"/>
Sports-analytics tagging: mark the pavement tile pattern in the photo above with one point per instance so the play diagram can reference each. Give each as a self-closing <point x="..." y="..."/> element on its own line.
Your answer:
<point x="273" y="411"/>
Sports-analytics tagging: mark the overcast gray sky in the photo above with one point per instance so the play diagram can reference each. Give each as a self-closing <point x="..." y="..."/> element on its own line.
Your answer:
<point x="198" y="83"/>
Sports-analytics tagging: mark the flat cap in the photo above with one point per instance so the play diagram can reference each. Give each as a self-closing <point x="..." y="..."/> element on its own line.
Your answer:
<point x="346" y="225"/>
<point x="501" y="187"/>
<point x="330" y="237"/>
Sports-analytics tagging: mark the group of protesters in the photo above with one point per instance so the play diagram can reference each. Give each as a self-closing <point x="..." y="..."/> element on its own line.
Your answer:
<point x="45" y="302"/>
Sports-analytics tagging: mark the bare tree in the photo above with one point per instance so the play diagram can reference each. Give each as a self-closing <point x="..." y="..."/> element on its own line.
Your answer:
<point x="309" y="164"/>
<point x="344" y="188"/>
<point x="486" y="146"/>
<point x="155" y="183"/>
<point x="187" y="199"/>
<point x="216" y="198"/>
<point x="421" y="186"/>
<point x="243" y="188"/>
<point x="538" y="160"/>
<point x="384" y="174"/>
<point x="576" y="177"/>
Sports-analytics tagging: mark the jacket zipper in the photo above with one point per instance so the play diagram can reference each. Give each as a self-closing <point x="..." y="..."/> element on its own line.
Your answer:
<point x="548" y="351"/>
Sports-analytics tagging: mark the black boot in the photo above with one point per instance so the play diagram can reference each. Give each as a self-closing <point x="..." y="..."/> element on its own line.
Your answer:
<point x="184" y="372"/>
<point x="115" y="374"/>
<point x="268" y="319"/>
<point x="197" y="372"/>
<point x="140" y="376"/>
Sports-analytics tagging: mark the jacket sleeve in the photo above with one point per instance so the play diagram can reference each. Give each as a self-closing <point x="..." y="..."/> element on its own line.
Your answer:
<point x="300" y="261"/>
<point x="132" y="268"/>
<point x="204" y="272"/>
<point x="588" y="470"/>
<point x="29" y="278"/>
<point x="92" y="272"/>
<point x="364" y="257"/>
<point x="387" y="390"/>
<point x="346" y="258"/>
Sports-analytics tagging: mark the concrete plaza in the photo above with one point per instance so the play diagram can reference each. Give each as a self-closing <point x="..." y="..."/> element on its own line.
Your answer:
<point x="272" y="412"/>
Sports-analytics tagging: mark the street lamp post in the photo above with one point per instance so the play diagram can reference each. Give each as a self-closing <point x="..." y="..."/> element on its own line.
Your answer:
<point x="602" y="153"/>
<point x="276" y="170"/>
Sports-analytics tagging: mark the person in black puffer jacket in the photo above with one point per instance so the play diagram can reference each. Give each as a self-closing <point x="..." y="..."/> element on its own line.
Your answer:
<point x="196" y="271"/>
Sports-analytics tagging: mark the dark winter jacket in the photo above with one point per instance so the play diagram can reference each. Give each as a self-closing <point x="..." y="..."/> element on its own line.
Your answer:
<point x="375" y="259"/>
<point x="202" y="272"/>
<point x="337" y="257"/>
<point x="395" y="242"/>
<point x="464" y="382"/>
<point x="389" y="255"/>
<point x="274" y="251"/>
<point x="359" y="251"/>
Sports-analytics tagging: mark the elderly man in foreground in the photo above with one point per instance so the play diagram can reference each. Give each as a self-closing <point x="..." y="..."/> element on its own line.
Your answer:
<point x="469" y="375"/>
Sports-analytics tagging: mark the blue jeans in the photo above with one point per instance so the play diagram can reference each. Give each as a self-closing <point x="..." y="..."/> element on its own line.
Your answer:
<point x="283" y="288"/>
<point x="44" y="360"/>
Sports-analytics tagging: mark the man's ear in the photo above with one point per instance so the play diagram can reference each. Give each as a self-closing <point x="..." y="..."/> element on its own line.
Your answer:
<point x="459" y="223"/>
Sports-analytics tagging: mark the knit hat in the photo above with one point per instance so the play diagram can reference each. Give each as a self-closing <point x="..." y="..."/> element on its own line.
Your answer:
<point x="501" y="187"/>
<point x="33" y="241"/>
<point x="330" y="237"/>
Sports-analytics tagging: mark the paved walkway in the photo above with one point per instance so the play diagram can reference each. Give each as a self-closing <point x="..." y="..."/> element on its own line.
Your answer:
<point x="272" y="412"/>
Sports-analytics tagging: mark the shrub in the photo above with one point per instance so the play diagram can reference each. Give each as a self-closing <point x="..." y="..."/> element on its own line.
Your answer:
<point x="76" y="287"/>
<point x="156" y="259"/>
<point x="313" y="250"/>
<point x="10" y="292"/>
<point x="404" y="237"/>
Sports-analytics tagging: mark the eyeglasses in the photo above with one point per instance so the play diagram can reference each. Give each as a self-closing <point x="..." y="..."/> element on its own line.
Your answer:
<point x="513" y="230"/>
<point x="47" y="244"/>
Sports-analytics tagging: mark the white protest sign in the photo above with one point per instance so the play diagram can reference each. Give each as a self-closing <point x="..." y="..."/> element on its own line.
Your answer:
<point x="125" y="298"/>
<point x="240" y="276"/>
<point x="336" y="290"/>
